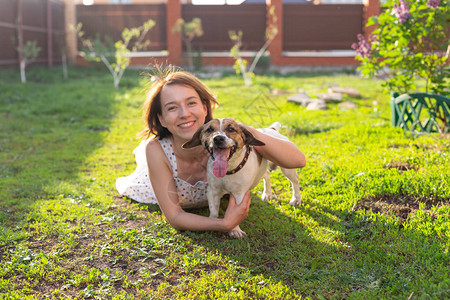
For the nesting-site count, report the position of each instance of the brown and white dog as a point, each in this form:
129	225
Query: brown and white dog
233	167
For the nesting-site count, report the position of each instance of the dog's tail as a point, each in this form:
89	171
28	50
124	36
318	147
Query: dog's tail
275	126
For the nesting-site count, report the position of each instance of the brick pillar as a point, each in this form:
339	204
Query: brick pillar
371	8
174	43
276	47
71	36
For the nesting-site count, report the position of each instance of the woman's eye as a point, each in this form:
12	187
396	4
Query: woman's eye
171	108
192	103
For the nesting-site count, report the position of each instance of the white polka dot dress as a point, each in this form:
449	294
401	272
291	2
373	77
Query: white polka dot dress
137	185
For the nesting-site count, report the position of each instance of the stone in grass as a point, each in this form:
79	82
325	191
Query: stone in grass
277	92
330	97
300	98
346	105
333	85
346	91
317	104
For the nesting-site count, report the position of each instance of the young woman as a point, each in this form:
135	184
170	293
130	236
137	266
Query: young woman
175	178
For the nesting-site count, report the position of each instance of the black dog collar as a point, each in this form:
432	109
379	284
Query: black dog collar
241	165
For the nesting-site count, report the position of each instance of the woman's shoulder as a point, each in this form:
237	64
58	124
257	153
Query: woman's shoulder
157	149
155	155
153	147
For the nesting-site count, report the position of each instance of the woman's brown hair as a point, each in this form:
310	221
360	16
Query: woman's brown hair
152	105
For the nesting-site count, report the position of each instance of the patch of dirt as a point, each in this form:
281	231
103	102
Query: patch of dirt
2	253
119	256
40	244
401	166
400	205
143	266
423	147
397	146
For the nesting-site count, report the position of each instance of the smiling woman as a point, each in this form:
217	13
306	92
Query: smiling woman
153	109
182	110
175	178
176	106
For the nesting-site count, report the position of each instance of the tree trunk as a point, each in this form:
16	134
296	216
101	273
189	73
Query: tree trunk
22	70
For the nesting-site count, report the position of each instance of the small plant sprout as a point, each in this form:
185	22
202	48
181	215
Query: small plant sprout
63	49
64	62
116	59
240	65
189	31
30	52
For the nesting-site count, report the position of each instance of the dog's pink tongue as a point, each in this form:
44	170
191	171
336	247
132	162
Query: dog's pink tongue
220	163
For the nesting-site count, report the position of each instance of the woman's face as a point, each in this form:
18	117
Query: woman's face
182	110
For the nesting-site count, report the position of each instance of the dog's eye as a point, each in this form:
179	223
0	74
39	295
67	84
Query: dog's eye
209	130
231	129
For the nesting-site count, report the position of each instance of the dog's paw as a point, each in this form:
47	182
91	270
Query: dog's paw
295	201
267	196
237	232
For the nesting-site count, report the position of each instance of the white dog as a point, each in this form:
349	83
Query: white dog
233	167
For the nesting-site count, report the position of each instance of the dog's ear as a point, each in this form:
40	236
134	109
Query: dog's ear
249	138
195	141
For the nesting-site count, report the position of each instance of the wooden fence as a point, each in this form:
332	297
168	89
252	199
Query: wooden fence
218	20
36	20
306	27
321	27
110	20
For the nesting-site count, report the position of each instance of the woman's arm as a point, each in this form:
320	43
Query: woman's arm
165	191
282	152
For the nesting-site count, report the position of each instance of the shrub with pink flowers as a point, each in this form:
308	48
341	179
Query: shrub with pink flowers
410	42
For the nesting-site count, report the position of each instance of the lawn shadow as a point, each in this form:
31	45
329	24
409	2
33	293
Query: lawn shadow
276	246
309	131
351	254
47	131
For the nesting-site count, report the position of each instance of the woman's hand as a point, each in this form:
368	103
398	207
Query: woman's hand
235	214
278	150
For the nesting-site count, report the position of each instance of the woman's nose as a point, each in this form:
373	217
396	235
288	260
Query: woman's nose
184	111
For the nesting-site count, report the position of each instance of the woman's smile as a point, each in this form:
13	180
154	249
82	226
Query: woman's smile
183	112
186	125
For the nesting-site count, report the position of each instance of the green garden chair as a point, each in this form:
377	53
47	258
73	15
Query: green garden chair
423	112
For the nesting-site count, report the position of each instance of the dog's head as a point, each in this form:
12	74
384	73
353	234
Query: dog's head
222	138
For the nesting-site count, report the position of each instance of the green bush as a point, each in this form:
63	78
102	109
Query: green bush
410	42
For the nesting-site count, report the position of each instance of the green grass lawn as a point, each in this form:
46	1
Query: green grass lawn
375	219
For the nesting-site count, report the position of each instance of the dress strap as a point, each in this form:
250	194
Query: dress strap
166	144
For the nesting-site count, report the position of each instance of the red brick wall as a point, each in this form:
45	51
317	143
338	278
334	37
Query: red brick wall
174	44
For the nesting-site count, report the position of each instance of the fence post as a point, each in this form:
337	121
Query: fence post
371	8
20	30
276	47
174	43
49	35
